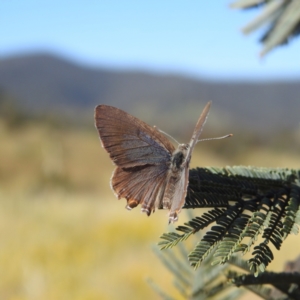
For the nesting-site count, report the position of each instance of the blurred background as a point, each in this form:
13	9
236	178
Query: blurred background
63	233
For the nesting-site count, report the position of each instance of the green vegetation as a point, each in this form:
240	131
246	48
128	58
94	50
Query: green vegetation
281	18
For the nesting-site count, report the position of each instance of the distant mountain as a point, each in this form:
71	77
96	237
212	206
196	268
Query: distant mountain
43	83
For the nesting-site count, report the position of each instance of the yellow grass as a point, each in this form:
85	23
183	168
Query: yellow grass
63	233
64	247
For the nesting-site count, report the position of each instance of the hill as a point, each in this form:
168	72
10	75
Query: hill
47	84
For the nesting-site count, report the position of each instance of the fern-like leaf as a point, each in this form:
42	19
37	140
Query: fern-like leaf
216	234
290	222
231	240
255	225
281	18
262	257
171	239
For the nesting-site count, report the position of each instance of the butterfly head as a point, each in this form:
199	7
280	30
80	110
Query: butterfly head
183	147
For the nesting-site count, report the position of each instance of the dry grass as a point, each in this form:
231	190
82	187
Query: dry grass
65	236
65	247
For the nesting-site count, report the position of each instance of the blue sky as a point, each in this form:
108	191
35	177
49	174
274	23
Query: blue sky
195	37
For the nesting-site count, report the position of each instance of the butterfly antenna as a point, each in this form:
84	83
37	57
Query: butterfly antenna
217	138
166	134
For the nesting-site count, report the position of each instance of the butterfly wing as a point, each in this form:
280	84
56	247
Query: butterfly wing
143	185
198	129
142	155
129	141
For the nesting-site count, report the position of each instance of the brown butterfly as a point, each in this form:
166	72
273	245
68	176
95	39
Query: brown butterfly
150	170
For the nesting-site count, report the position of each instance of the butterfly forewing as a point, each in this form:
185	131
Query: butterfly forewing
129	141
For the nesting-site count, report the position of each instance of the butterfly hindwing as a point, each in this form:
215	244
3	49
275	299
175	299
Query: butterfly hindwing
143	185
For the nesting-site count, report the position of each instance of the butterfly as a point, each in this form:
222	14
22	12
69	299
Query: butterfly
150	170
